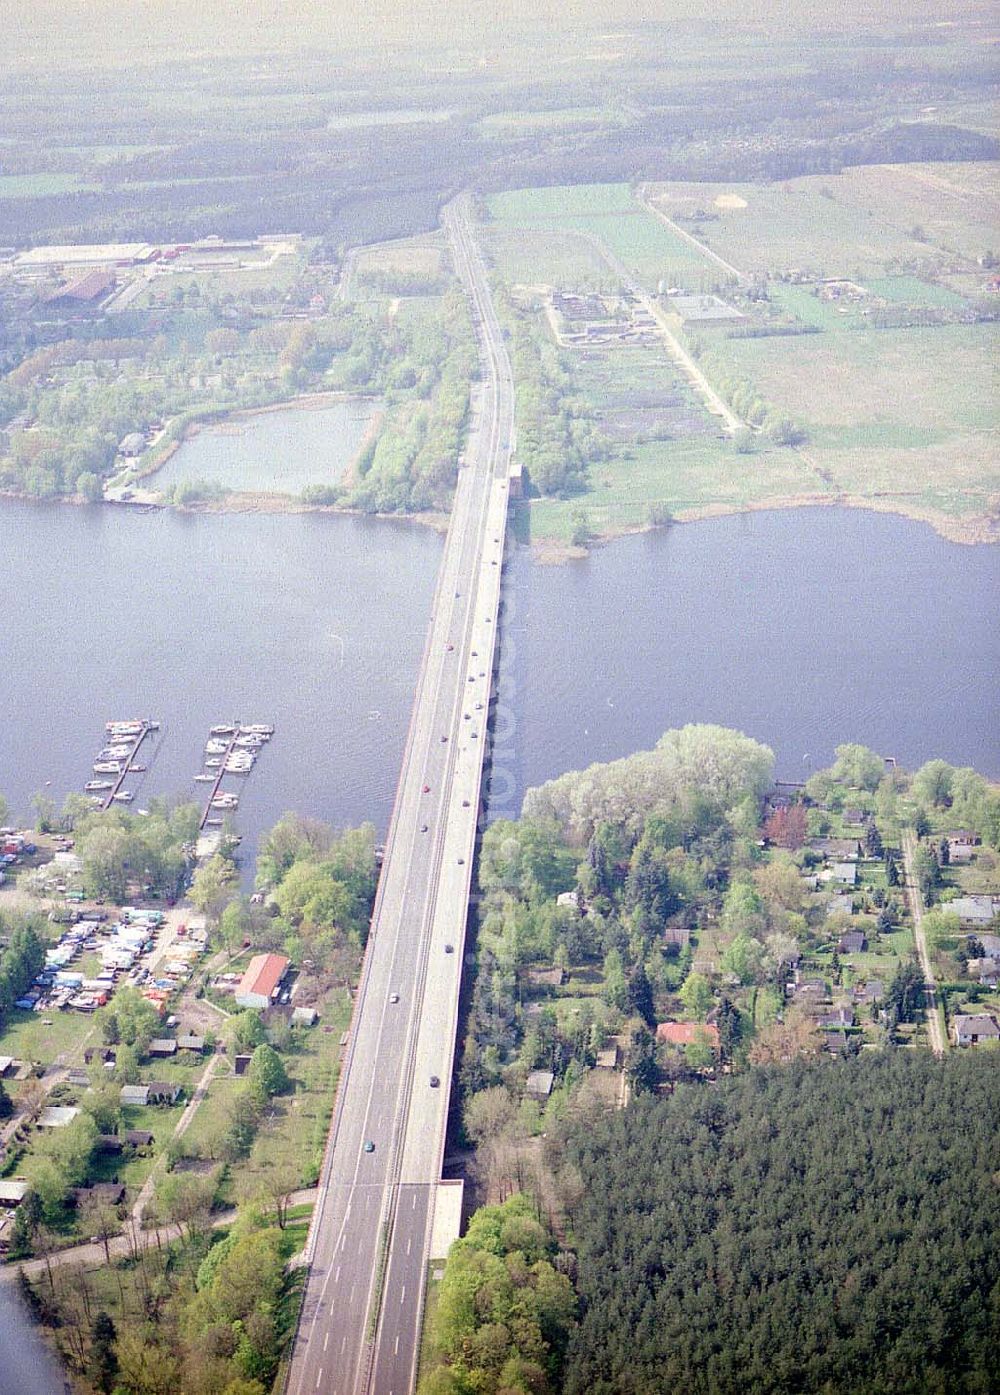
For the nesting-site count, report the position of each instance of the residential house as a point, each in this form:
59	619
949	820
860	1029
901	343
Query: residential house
162	1048
846	872
305	1016
139	1139
187	1041
57	1116
108	1193
975	1028
241	1062
608	1058
807	992
13	1190
545	978
839	1017
991	945
163	1092
134	1095
974	910
853	942
837	849
985	971
261	983
539	1084
871	992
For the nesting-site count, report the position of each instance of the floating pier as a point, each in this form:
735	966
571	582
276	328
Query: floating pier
235	746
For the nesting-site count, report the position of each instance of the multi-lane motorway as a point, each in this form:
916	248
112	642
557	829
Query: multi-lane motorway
369	1241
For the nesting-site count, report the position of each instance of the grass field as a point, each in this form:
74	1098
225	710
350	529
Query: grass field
957	206
296	1124
909	290
693	474
28	186
609	213
529	123
895	413
798	223
538	258
413	258
27	1038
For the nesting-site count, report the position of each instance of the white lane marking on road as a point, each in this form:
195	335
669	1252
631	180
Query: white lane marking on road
336	1277
395	1350
402	1295
319	1377
343	1343
408	1244
413	1203
326	1341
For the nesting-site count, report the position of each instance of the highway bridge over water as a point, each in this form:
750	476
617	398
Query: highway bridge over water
371	1235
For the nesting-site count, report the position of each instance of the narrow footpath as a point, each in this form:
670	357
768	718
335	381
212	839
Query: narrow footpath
932	1013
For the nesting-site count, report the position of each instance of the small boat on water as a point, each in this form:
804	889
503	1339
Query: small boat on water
123	797
115	753
214	763
205	779
216	748
214	823
222	730
139	769
93	785
107	767
258	729
225	801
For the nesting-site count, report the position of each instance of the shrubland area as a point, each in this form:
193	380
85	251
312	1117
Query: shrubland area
696	1041
840	201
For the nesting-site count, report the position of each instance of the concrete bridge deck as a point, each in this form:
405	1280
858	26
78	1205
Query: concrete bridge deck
371	1232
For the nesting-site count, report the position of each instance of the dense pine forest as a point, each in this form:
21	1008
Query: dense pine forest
826	1227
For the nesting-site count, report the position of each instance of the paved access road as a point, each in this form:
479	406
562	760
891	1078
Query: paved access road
368	1246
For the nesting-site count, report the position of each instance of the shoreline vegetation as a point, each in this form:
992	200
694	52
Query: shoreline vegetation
969	530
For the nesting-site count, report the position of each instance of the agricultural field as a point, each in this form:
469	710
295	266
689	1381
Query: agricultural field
955	207
530	123
689	478
27	186
899	414
799	224
610	214
423	258
539	258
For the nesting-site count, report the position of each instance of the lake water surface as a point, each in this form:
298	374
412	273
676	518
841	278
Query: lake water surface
279	452
311	622
803	628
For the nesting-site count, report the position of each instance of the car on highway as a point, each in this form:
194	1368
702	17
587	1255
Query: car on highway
465	804
394	997
427	789
369	1146
461	862
479	707
449	949
449	648
423	828
444	736
435	1082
